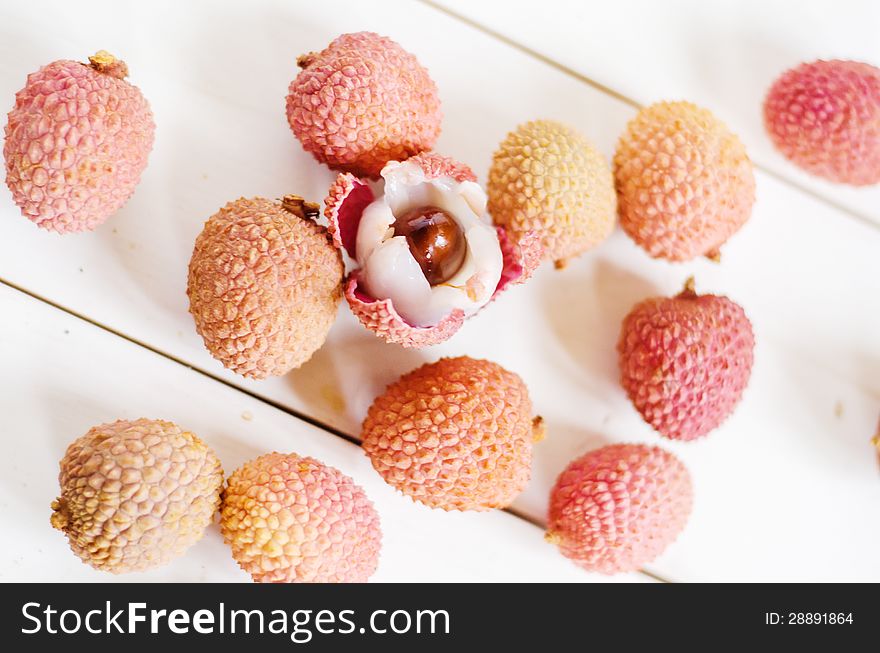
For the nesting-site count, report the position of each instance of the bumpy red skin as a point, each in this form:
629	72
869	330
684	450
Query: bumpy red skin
456	434
344	205
362	102
685	361
77	142
292	519
825	117
617	508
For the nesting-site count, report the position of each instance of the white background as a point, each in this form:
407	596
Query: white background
95	326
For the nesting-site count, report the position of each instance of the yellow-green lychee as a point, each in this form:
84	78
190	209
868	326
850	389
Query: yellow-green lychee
548	178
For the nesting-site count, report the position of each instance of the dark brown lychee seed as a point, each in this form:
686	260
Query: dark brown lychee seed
435	240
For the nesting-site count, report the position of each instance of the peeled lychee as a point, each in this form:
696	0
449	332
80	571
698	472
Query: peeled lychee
291	519
361	102
136	494
548	179
684	182
619	507
426	253
825	117
264	285
456	434
685	361
77	141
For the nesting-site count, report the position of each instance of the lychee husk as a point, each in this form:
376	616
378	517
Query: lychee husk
456	434
136	494
264	285
292	519
685	361
684	181
361	102
549	179
77	142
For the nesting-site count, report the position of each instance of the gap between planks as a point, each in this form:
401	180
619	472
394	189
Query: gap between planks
863	218
253	395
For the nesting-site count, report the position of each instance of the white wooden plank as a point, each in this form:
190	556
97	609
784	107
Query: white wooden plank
806	275
723	55
61	375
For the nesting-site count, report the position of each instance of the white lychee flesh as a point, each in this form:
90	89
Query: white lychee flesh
390	271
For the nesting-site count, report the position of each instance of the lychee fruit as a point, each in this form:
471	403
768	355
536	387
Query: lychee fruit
361	102
291	519
136	494
824	116
685	361
426	255
264	285
618	508
456	434
77	141
684	182
548	179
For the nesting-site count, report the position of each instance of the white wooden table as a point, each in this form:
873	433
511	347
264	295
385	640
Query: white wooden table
95	326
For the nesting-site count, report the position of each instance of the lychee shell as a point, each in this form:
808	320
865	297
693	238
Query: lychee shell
618	508
549	179
136	494
361	102
825	117
264	285
456	434
684	182
292	519
77	141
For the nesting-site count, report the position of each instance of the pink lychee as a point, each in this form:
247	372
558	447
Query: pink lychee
77	141
825	117
619	507
685	361
361	102
292	519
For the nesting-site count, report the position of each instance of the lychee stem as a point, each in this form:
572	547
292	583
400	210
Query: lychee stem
690	288
105	63
305	60
539	429
714	255
300	208
560	264
59	517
